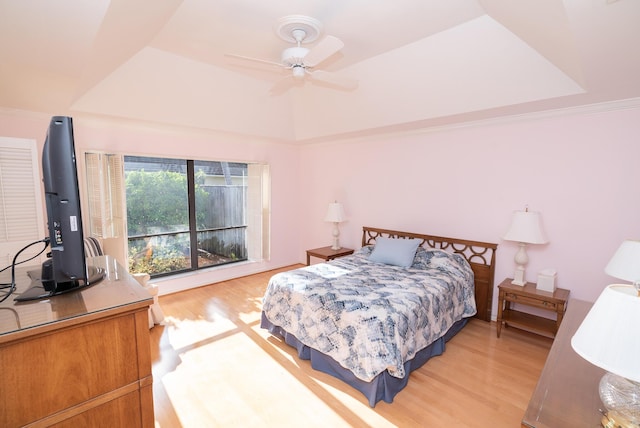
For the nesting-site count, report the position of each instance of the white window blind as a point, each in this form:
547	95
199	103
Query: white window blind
259	211
21	213
106	194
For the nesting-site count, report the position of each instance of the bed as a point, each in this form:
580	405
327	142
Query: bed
370	323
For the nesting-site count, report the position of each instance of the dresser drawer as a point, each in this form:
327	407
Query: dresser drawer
530	301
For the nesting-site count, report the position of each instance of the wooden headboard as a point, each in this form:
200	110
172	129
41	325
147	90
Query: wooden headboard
480	255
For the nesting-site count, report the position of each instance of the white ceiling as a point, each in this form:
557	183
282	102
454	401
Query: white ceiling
418	63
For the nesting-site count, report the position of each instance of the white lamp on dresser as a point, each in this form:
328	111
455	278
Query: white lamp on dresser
609	337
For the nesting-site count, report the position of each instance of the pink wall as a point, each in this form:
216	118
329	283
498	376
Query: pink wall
158	141
579	170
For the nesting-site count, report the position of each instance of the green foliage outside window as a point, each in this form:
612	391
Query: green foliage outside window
157	202
163	260
158	222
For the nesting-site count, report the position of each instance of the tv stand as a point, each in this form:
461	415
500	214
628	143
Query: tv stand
41	289
78	359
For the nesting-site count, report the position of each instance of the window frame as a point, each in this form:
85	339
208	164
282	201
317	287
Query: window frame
257	213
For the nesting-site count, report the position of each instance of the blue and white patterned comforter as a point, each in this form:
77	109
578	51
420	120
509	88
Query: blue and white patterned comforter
368	316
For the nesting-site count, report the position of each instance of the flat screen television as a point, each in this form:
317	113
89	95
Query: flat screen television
66	267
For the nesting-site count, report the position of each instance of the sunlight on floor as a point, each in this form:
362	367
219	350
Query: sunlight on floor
251	317
187	332
364	412
204	388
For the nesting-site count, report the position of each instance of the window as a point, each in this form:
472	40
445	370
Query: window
182	214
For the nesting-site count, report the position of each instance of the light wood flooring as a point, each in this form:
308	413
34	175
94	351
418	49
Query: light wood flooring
213	366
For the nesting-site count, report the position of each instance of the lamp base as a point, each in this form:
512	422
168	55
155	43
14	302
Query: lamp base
336	237
621	397
336	243
613	420
518	277
521	260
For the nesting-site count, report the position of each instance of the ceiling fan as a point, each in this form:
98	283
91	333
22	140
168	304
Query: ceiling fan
302	61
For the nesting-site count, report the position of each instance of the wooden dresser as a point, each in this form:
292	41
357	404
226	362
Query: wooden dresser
567	391
78	359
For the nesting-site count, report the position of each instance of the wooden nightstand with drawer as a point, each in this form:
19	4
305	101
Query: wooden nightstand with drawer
327	253
528	295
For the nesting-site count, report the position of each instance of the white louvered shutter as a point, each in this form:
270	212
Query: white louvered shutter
21	213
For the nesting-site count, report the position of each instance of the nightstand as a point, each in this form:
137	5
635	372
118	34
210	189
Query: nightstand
528	295
326	253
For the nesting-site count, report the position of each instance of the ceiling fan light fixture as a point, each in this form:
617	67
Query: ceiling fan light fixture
298	71
294	55
301	62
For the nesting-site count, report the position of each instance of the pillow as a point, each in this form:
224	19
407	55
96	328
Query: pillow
422	258
364	251
397	252
426	258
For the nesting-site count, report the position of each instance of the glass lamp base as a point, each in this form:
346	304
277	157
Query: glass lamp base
621	397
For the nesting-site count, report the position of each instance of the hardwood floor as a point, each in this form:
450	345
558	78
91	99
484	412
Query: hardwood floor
213	366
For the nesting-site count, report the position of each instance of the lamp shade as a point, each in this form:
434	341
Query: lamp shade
525	227
625	263
609	336
335	213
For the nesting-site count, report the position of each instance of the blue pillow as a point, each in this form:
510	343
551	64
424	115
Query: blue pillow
397	252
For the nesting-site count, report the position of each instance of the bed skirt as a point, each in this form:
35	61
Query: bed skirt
382	387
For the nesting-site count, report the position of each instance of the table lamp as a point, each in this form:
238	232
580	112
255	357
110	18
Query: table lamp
335	214
525	228
609	337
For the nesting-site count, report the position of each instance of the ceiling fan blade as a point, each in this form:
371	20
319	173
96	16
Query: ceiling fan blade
341	82
323	50
258	60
